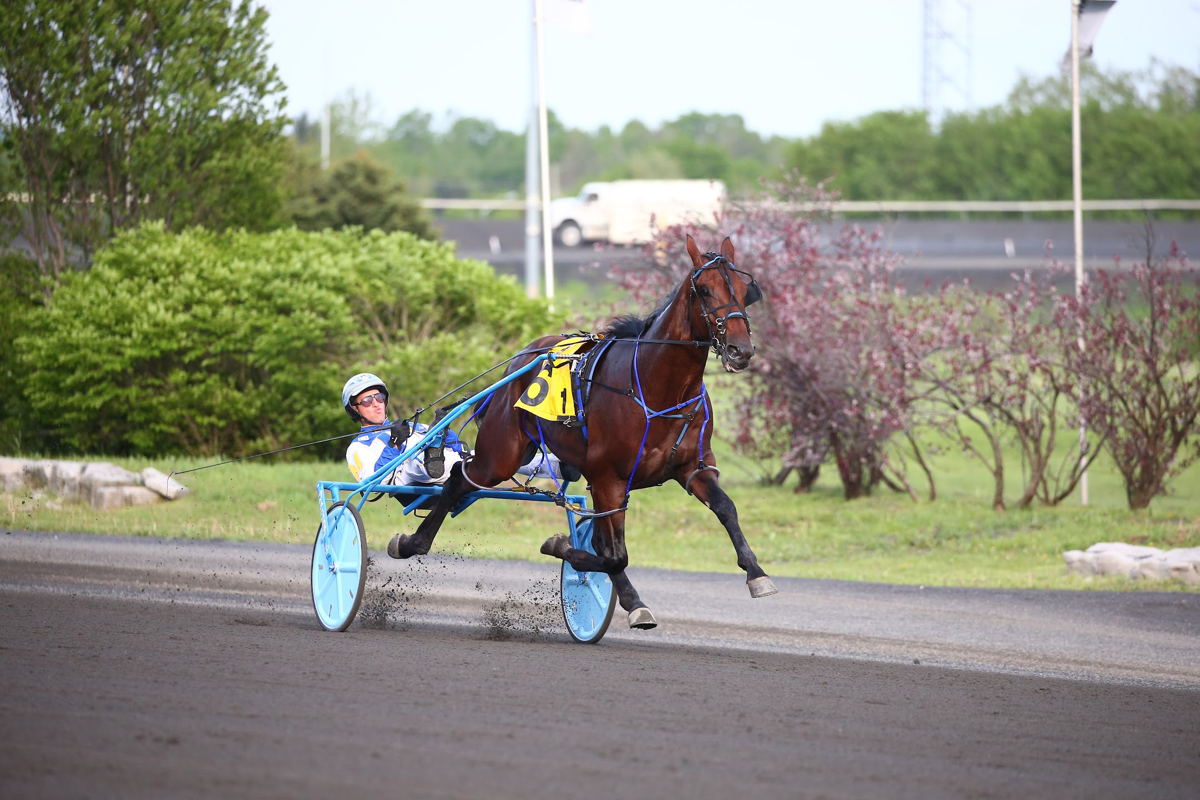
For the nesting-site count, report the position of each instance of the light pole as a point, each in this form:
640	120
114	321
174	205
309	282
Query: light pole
1077	212
537	171
532	228
539	23
1094	11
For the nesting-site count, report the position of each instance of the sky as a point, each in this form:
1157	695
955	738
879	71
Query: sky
786	66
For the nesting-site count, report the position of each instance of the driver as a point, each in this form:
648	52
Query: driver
365	399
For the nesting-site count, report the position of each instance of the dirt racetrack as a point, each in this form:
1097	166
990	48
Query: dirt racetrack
147	668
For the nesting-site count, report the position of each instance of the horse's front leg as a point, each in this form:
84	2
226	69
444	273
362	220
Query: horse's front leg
611	557
403	545
708	491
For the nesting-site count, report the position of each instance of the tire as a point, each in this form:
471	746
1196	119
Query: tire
588	599
339	567
569	234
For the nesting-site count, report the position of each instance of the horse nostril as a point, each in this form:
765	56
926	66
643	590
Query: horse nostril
737	354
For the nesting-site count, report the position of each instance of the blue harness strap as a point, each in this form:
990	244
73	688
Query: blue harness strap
698	400
583	385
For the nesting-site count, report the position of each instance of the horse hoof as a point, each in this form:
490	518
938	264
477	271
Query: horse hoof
401	547
642	619
556	546
761	587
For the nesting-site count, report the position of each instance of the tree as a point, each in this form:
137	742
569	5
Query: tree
828	369
886	155
1135	368
121	112
357	192
987	364
1140	131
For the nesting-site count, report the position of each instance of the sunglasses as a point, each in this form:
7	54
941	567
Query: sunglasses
372	399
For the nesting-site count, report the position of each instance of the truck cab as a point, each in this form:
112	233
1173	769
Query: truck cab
580	219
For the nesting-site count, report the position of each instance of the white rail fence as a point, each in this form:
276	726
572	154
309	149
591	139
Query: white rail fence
892	206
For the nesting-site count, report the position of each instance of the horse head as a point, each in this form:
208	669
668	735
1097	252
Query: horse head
722	292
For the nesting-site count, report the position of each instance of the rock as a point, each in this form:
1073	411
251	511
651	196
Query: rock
1079	562
1154	569
1184	564
100	475
64	478
1136	561
12	474
1127	550
1185	554
37	474
105	497
165	485
1114	562
102	484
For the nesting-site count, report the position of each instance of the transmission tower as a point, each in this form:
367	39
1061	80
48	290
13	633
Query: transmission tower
946	75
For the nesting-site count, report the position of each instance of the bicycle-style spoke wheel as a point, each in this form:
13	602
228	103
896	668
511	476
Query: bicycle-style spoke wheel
339	567
588	599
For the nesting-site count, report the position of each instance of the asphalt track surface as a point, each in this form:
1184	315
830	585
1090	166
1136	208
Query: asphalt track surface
140	667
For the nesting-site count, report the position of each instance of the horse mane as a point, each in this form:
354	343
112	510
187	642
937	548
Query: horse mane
626	326
630	326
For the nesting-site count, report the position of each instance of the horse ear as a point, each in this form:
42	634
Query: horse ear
727	250
694	251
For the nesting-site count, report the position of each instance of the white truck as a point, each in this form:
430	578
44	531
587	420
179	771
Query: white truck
631	212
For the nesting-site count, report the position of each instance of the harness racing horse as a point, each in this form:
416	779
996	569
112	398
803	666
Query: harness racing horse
647	419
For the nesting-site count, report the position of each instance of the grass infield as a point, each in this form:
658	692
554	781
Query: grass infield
957	540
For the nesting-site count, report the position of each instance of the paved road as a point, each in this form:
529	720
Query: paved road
987	251
151	668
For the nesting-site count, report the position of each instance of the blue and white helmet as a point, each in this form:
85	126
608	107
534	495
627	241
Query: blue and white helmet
356	386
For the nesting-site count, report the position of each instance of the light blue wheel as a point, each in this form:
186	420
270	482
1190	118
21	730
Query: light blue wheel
339	567
587	597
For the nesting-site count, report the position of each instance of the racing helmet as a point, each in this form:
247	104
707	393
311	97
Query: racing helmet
356	386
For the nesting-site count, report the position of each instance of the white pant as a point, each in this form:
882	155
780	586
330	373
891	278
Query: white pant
413	470
540	466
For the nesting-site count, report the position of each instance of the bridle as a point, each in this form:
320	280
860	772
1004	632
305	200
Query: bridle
713	318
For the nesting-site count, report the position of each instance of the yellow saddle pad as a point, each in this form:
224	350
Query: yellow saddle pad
549	394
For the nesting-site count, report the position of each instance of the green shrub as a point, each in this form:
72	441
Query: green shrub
20	298
233	343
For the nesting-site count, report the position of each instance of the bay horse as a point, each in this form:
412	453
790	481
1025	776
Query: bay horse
647	419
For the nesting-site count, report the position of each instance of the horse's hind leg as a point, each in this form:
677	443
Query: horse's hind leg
709	491
498	449
403	545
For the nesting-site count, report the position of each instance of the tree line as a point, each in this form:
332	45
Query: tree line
1141	139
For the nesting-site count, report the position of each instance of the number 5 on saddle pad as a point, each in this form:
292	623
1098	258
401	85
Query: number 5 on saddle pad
549	395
